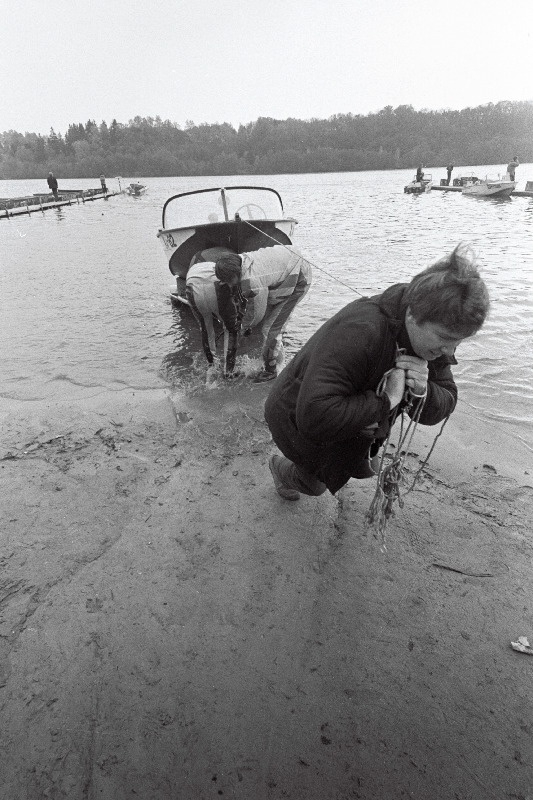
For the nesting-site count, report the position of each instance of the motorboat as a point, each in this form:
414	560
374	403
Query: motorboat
241	218
419	186
462	180
490	187
135	189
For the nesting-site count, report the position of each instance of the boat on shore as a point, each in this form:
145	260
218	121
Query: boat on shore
419	186
241	218
489	187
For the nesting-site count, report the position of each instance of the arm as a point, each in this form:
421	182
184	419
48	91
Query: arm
207	332
230	340
441	393
334	401
230	312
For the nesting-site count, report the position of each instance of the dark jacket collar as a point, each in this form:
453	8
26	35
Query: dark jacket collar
393	305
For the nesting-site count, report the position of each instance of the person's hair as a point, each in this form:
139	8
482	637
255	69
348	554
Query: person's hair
227	267
451	293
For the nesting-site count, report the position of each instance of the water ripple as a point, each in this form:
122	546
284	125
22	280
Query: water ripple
84	293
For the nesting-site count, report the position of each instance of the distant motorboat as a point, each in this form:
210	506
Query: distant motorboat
490	187
135	189
419	186
462	180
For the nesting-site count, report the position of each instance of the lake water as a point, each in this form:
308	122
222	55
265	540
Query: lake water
84	290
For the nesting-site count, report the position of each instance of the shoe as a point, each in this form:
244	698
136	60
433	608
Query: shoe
281	489
266	375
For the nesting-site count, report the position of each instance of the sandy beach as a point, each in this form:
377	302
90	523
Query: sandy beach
171	628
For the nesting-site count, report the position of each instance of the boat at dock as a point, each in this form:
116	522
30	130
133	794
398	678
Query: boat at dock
489	187
241	218
419	186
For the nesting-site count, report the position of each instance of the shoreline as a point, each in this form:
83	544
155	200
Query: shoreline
171	627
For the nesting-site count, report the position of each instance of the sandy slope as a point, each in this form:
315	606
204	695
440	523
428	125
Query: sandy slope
171	628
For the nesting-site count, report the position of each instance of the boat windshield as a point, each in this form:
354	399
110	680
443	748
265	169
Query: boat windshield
221	205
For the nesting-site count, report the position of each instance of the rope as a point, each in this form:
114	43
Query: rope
391	475
315	266
425	461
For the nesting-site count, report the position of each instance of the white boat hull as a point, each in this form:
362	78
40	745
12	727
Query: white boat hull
490	188
173	238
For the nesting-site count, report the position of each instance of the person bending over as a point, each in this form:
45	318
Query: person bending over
331	408
261	286
272	280
210	297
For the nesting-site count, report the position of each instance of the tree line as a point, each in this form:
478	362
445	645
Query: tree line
392	138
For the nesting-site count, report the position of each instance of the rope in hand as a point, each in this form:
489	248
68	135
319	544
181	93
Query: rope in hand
391	475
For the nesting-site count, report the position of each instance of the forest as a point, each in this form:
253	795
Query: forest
393	138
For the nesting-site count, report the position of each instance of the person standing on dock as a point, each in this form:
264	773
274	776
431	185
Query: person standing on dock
419	173
332	407
52	184
511	166
102	181
449	170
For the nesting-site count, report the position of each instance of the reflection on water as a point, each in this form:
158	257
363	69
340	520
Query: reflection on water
84	288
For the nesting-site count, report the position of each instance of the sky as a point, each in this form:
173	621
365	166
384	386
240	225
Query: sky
215	61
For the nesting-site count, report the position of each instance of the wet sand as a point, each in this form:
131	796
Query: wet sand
171	628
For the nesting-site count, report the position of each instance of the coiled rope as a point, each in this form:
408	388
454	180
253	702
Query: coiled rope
390	475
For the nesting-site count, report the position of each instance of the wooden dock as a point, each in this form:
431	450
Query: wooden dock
15	206
447	188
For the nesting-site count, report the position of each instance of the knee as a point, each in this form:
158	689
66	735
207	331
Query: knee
310	484
317	489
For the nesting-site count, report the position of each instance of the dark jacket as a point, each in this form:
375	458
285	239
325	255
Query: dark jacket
52	183
327	394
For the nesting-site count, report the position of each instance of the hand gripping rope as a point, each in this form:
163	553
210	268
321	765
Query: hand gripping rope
391	475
